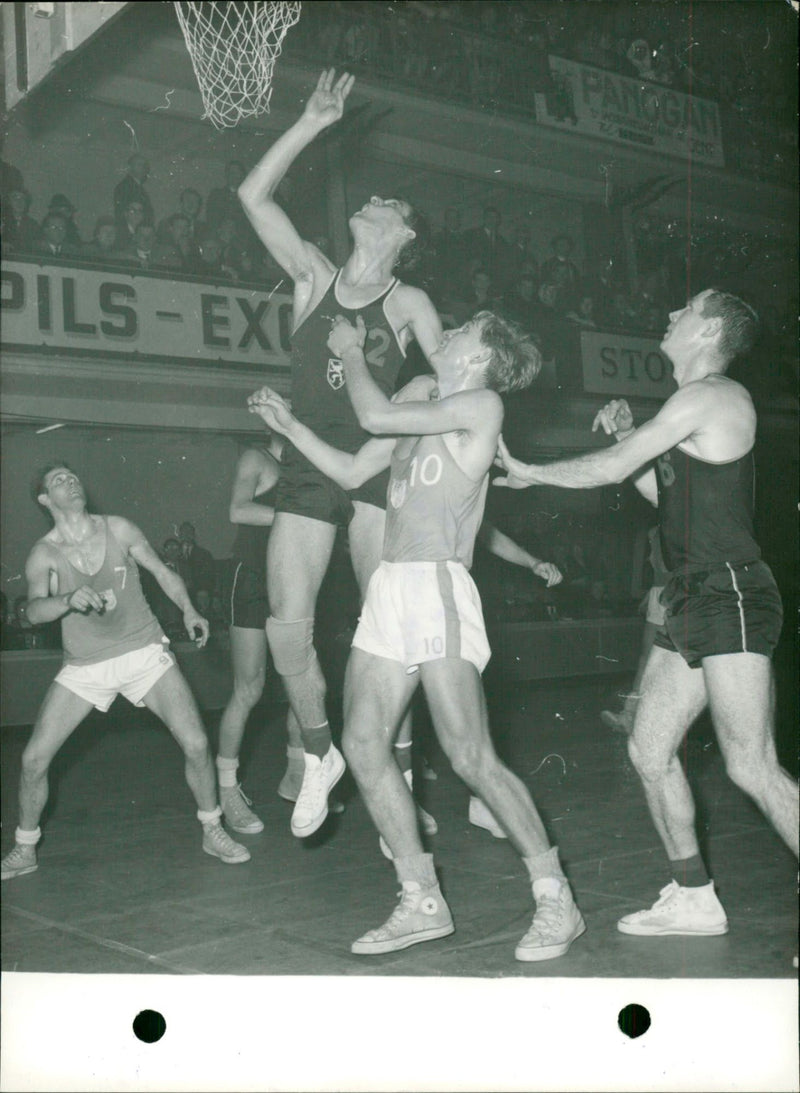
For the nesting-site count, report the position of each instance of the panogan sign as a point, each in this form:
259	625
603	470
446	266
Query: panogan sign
596	102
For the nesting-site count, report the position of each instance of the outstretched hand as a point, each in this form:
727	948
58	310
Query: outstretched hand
517	475
614	418
272	408
549	572
326	104
344	335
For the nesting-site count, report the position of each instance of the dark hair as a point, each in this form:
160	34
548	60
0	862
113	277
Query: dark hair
741	325
104	222
516	360
411	253
191	190
169	540
37	483
54	216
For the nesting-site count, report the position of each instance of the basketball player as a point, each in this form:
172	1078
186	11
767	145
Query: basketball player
84	571
308	506
723	609
422	619
244	601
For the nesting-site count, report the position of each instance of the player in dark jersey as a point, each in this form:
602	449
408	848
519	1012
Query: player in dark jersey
84	571
308	505
422	618
723	609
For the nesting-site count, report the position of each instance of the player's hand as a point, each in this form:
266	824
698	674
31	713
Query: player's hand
614	418
275	414
518	474
326	104
344	335
194	622
549	573
263	394
85	599
418	389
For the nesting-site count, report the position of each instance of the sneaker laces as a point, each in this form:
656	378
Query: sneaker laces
407	906
311	791
666	896
219	835
19	855
239	802
548	915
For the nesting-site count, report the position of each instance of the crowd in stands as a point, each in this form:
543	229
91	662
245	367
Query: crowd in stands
482	50
208	238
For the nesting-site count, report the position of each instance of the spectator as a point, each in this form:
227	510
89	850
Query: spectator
178	251
559	269
583	312
481	297
20	232
223	201
190	206
520	303
10	178
146	253
488	246
61	204
450	246
53	242
211	263
200	569
103	245
520	252
132	217
132	188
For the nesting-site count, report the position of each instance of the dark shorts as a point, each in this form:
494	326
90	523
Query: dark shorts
305	491
727	609
244	596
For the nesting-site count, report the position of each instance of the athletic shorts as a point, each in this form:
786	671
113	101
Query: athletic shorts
132	675
244	597
655	612
727	609
305	491
421	611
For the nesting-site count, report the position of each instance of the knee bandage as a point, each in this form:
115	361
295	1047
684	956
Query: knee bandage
291	645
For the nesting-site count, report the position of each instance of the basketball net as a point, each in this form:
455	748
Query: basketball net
234	47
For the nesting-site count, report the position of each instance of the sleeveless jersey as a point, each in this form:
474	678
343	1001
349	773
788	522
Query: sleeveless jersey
319	397
250	545
433	509
126	624
705	511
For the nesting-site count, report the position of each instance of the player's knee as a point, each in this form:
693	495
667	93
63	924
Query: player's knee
195	747
291	645
34	764
469	762
746	771
249	689
649	764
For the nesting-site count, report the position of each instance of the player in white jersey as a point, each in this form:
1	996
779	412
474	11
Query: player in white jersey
422	619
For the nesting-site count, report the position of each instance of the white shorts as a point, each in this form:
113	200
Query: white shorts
655	613
420	611
132	675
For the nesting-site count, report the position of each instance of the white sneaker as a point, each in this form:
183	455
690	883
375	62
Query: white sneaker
238	815
480	816
421	915
556	924
20	860
689	911
320	777
218	843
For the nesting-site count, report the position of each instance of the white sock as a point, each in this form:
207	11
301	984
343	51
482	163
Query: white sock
226	771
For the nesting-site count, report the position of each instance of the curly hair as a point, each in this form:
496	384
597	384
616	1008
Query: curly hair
411	253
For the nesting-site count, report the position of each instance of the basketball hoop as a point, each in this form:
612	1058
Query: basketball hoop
234	47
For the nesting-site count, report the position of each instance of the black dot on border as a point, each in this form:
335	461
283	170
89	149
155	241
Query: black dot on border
149	1026
634	1020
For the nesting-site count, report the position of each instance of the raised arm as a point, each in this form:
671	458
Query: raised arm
45	603
129	536
256	473
681	415
348	471
256	193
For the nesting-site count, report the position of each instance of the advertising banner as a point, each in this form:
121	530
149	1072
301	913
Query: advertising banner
622	364
596	102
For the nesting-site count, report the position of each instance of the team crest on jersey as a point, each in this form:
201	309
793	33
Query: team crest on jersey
397	493
335	373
